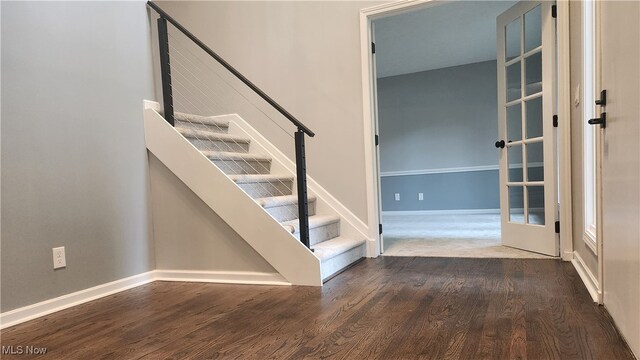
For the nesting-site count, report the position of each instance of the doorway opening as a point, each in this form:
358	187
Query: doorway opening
437	102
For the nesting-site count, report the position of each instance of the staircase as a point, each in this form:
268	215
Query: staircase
304	233
273	191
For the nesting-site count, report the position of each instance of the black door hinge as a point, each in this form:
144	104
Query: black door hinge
377	140
555	120
379	228
373	48
557	227
554	11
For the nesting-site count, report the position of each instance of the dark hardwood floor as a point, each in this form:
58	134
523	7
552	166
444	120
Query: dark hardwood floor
385	308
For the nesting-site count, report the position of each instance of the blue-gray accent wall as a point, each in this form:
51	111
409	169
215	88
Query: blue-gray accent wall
468	190
444	118
443	191
439	119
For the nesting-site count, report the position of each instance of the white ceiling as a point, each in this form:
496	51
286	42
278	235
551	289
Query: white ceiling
456	33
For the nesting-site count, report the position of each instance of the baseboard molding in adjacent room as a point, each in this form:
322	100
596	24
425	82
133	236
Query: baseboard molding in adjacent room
444	212
30	312
222	277
47	307
589	280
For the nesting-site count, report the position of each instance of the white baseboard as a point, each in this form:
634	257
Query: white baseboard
47	307
223	277
567	255
372	248
443	212
589	280
30	312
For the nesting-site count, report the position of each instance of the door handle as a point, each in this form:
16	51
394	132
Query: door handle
500	144
602	120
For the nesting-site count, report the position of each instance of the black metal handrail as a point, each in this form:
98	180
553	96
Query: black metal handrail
231	69
167	96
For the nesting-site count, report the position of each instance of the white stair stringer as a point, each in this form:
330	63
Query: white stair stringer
275	243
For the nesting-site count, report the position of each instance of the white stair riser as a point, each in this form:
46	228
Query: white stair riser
219	145
195	125
267	188
339	262
322	233
235	167
290	211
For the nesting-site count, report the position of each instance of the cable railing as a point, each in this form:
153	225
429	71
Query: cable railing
195	92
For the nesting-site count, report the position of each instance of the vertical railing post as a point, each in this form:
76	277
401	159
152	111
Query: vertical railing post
165	69
301	177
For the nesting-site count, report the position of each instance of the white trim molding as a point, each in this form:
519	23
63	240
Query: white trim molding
442	212
564	131
589	237
47	307
43	308
221	277
590	281
454	170
439	171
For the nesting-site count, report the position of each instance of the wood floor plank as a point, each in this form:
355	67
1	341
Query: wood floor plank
384	308
333	312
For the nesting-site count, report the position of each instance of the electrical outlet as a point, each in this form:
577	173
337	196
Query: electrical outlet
397	196
420	196
59	258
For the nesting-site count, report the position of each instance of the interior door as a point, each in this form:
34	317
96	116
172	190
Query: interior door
526	103
619	47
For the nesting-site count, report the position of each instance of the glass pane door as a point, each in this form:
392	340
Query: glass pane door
526	94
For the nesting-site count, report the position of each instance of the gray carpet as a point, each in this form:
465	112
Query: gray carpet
448	236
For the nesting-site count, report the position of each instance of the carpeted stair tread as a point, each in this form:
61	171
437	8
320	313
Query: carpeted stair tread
199	119
314	221
256	178
336	246
274	201
222	155
191	133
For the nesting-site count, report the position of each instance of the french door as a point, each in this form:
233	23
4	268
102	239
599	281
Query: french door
526	106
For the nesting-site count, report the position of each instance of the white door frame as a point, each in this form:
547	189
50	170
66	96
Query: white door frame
367	15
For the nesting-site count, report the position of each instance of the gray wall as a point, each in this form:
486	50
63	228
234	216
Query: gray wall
189	235
306	55
438	119
73	156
